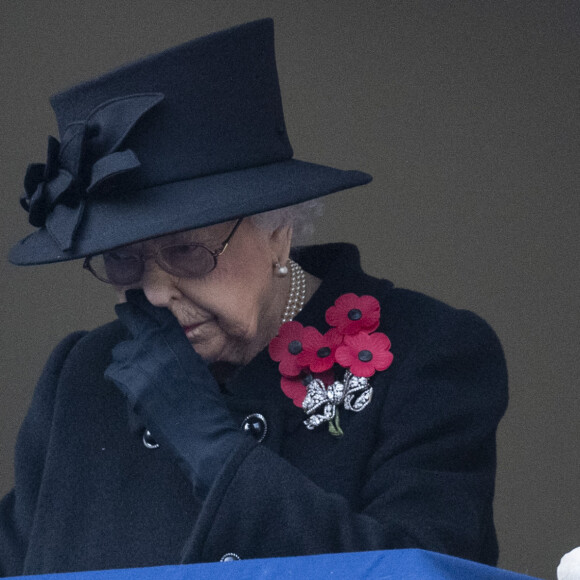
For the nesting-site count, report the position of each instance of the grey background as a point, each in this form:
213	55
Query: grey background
465	112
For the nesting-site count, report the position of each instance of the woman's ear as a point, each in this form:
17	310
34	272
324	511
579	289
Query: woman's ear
281	242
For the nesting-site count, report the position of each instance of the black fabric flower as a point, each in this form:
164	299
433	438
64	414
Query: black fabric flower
81	165
43	185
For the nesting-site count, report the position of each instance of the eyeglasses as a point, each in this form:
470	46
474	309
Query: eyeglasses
123	267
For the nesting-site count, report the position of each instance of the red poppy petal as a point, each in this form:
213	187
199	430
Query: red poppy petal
383	360
294	389
351	299
291	330
357	342
305	359
277	348
380	337
326	377
290	366
369	325
288	332
370	310
319	365
333	338
344	355
332	316
346	301
311	339
362	369
380	341
337	315
370	305
363	324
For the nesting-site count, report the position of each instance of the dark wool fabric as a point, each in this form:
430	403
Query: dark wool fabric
415	468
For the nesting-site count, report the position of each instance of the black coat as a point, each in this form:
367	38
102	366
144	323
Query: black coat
415	468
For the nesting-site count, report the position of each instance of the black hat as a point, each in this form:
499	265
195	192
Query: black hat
184	139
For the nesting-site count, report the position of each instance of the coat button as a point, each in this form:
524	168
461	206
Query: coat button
148	440
229	557
256	425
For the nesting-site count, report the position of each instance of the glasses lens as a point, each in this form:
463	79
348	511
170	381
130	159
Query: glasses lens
187	260
118	268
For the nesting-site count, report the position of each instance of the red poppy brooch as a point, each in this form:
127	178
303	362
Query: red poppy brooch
312	363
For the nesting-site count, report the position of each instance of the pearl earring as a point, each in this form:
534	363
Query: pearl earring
280	270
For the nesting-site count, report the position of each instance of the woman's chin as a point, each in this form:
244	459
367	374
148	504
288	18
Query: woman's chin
211	349
221	353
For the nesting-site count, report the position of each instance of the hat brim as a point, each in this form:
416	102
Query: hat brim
189	204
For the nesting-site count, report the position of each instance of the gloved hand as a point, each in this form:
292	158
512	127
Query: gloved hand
171	388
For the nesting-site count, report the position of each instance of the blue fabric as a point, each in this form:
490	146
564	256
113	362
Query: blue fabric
380	565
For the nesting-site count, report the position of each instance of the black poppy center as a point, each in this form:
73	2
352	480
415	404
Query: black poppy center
295	347
323	352
365	356
354	314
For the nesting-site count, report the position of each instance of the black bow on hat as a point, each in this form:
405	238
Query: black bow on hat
85	163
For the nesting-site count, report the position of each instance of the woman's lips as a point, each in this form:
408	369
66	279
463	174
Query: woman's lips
190	329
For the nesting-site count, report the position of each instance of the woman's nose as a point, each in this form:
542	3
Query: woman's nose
160	287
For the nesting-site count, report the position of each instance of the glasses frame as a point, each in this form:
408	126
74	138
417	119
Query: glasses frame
156	255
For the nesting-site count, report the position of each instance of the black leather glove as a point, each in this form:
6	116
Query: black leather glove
171	388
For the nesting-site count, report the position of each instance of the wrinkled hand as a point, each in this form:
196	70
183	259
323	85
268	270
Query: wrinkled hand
170	386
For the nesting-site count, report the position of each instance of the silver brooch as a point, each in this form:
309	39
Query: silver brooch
322	402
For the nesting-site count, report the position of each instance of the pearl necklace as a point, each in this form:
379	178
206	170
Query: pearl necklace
297	292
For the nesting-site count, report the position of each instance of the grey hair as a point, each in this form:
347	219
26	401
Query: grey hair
300	216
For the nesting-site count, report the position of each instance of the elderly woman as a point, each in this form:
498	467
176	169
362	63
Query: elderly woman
253	399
